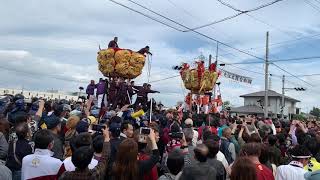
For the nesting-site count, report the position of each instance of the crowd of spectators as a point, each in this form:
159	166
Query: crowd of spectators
56	139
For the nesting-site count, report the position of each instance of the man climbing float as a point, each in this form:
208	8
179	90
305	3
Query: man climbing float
145	50
113	43
142	94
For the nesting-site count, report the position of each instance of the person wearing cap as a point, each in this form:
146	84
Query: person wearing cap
294	170
53	124
189	124
83	126
70	133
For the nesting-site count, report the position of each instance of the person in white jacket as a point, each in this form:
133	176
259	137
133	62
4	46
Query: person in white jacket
294	170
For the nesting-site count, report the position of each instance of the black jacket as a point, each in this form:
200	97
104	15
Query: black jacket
218	166
199	171
23	148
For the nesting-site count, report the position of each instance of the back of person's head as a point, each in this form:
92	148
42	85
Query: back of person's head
299	152
97	143
20	117
188	133
206	133
250	149
82	157
175	161
201	152
82	126
126	166
115	126
281	138
255	138
42	139
213	148
312	145
82	139
272	139
175	127
48	106
302	137
22	130
243	169
265	154
53	122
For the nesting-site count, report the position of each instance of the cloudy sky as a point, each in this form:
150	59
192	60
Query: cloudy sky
52	44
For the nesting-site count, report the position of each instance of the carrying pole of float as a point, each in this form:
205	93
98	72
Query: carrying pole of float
210	57
214	86
150	109
149	68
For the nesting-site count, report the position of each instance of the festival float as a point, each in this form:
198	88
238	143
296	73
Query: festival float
201	81
116	62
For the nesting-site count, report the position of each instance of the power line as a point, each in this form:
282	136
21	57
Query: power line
196	18
143	14
259	20
312	5
291	74
280	43
204	35
170	77
230	6
235	15
306	75
197	32
184	10
277	60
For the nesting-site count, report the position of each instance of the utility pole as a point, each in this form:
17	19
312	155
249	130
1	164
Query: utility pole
266	77
282	100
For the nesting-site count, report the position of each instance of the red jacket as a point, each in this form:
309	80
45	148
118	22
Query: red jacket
153	174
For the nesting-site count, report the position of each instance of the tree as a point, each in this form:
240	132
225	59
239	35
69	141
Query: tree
316	112
300	117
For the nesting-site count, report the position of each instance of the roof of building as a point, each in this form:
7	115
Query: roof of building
271	93
250	109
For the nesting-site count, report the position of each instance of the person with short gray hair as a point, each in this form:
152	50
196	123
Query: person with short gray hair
189	157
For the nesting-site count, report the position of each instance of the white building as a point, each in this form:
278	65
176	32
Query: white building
43	94
254	102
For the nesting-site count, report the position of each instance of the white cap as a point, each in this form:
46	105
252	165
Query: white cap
188	122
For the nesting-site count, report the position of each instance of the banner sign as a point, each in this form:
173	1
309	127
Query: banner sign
236	77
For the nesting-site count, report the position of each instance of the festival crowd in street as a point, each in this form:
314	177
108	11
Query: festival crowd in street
108	136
